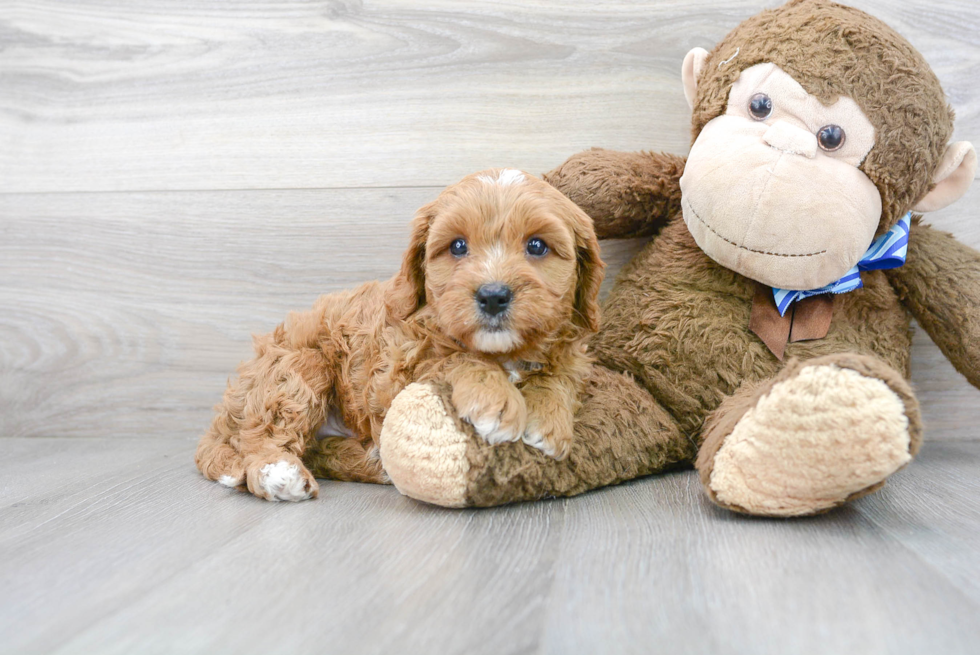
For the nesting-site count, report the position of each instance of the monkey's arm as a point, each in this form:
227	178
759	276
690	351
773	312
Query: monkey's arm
627	194
940	284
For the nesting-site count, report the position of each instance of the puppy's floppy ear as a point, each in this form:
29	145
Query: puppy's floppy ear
591	270
406	294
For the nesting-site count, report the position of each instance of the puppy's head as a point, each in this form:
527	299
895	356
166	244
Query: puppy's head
503	260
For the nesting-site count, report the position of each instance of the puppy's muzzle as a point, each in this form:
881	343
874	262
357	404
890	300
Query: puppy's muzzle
494	299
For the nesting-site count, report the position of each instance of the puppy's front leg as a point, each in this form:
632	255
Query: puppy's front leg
552	401
486	398
552	398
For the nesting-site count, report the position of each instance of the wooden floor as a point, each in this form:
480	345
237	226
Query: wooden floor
176	175
119	546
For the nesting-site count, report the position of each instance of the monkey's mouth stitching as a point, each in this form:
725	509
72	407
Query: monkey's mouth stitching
758	252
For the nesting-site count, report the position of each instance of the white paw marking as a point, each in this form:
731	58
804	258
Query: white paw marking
535	439
501	435
505	177
514	373
485	426
283	481
492	433
230	481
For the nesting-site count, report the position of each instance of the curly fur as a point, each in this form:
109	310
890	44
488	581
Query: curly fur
355	350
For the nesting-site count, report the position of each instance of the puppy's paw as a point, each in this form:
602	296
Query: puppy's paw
220	462
282	480
497	414
551	433
231	481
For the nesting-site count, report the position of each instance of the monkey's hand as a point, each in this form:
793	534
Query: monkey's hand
627	194
940	284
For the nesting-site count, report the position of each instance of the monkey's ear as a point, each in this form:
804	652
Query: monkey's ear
952	179
690	69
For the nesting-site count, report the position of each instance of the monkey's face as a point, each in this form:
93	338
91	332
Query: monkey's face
772	188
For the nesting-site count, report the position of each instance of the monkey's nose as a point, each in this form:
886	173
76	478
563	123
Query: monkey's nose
791	139
493	298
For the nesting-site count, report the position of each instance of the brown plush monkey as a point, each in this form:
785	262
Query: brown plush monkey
817	129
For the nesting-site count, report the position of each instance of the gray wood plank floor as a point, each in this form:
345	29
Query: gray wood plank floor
176	175
119	546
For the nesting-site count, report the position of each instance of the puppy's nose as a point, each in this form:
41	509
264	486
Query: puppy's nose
493	298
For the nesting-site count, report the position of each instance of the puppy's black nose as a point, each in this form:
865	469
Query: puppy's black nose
493	298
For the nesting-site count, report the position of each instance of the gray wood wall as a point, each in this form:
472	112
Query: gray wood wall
176	175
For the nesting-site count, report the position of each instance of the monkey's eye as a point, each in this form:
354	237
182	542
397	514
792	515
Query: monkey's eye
760	106
831	137
536	247
458	248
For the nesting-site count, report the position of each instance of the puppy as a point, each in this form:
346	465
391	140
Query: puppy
496	296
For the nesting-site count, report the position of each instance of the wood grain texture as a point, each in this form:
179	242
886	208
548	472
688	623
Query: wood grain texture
178	94
176	175
119	546
122	314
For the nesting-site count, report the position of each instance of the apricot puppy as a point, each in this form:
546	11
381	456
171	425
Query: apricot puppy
496	296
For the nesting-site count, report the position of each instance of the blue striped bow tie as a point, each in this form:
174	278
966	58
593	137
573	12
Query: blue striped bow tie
887	251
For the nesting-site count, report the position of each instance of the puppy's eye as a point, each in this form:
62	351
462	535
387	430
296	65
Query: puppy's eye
536	247
760	106
458	248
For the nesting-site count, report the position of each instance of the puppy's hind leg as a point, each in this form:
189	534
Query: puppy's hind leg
270	413
218	461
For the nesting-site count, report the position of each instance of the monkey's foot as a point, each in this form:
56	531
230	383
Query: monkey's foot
819	434
423	448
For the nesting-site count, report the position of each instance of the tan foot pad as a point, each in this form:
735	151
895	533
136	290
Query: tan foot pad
811	442
422	449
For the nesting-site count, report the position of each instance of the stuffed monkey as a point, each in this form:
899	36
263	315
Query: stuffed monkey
763	334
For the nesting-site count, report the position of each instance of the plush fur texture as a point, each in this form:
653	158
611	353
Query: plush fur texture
432	445
834	51
620	433
940	285
678	370
841	424
647	179
743	200
513	374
